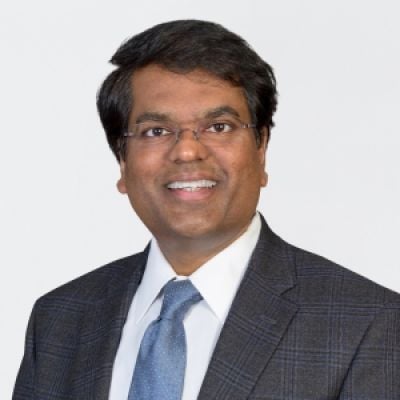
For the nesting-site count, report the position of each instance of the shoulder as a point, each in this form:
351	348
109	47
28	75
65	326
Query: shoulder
327	280
99	284
317	281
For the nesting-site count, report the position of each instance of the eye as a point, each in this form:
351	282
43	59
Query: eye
154	131
220	127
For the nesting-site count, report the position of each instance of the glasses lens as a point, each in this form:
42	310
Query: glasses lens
217	131
153	132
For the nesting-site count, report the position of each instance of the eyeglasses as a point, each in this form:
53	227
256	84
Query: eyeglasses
208	132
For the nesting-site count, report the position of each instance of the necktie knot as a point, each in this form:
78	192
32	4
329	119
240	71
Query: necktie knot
179	296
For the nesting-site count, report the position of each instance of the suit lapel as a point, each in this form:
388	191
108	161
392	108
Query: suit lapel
102	329
256	323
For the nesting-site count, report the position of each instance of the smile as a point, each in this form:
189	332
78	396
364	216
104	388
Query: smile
191	186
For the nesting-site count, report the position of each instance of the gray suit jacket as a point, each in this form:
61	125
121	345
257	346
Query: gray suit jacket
300	327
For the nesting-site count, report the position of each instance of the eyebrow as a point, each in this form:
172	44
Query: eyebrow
220	111
208	114
153	116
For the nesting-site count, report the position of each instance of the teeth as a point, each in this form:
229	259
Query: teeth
191	186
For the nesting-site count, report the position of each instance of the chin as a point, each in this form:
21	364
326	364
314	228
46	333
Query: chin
190	229
194	231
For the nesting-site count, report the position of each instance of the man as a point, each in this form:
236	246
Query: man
217	306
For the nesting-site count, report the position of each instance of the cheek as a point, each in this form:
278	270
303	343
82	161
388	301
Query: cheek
141	167
142	179
246	177
248	166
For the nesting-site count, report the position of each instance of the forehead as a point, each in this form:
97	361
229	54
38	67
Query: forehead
183	96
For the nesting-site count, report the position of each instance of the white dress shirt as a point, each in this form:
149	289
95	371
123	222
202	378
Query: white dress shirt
217	281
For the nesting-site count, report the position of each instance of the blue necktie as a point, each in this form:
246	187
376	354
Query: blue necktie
161	362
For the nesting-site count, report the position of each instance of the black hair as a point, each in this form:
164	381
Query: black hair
183	46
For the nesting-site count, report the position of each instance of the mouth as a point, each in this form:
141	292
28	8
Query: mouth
194	191
192	186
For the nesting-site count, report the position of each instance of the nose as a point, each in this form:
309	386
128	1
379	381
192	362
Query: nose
187	147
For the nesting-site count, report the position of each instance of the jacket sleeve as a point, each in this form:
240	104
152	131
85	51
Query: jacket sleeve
375	371
25	383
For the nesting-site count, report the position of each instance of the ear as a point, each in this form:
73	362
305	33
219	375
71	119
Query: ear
262	152
121	183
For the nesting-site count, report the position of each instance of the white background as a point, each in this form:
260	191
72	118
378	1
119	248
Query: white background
333	160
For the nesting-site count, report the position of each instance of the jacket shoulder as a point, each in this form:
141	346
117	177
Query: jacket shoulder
96	285
317	274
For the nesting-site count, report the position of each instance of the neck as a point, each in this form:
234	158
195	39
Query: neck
186	255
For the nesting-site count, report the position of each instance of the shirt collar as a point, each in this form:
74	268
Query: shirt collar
157	273
217	280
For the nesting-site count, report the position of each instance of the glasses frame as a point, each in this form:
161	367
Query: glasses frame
177	130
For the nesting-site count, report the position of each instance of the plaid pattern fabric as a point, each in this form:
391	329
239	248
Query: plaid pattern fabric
300	328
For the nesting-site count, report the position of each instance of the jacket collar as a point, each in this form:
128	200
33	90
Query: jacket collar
256	323
102	328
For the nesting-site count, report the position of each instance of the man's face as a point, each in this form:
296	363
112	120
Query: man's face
152	176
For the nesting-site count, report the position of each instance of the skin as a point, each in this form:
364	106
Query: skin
191	227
